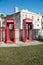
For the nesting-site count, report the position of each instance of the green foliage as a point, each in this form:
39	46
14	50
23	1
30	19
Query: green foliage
30	55
2	15
40	39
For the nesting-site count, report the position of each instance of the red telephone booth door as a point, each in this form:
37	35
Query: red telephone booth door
27	30
10	30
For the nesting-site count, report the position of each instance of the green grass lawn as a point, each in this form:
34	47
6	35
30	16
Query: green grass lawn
28	55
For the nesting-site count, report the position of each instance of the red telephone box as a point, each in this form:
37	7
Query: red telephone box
27	29
0	32
10	30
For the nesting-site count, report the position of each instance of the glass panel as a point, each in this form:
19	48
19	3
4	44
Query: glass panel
30	26
28	31
11	29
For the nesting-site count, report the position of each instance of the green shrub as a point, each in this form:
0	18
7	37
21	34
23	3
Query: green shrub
41	39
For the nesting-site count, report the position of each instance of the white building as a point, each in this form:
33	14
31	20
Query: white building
21	15
42	27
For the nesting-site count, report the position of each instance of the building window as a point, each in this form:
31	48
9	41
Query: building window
32	17
42	23
25	16
42	27
37	24
38	19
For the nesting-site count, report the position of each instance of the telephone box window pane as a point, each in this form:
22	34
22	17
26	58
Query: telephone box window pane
30	26
11	28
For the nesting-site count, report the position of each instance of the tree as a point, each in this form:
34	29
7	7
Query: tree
2	15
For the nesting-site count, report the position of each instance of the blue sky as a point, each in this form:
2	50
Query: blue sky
7	6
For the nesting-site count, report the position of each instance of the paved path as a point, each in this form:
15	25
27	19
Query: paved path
19	43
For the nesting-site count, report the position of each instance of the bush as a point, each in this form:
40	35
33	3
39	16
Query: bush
40	39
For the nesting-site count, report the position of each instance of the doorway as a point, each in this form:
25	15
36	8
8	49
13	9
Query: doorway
10	31
29	31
